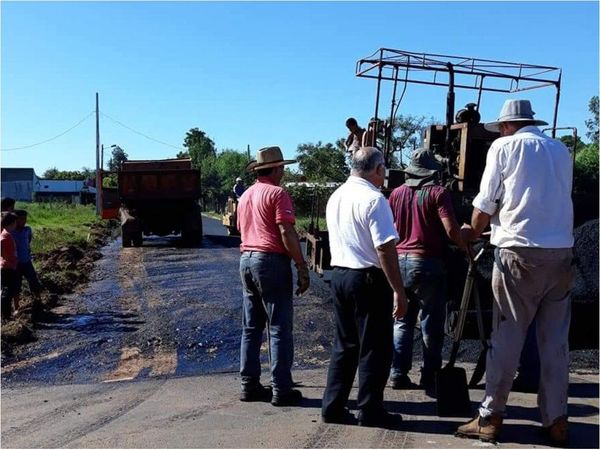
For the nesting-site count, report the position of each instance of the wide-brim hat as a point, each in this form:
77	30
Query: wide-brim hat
268	157
423	165
514	111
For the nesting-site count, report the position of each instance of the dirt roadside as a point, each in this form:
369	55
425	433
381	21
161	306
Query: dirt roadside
61	271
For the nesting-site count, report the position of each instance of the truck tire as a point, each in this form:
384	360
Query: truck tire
191	231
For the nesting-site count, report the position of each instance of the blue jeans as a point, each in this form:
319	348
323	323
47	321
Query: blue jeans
267	289
425	284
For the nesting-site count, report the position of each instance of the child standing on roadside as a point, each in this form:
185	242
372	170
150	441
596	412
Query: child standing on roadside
8	264
22	236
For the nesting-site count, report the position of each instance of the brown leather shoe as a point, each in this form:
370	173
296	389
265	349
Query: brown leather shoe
558	432
483	428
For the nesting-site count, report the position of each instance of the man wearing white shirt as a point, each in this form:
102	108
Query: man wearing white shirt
525	195
367	291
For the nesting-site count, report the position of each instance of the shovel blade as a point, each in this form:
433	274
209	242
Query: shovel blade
452	393
479	369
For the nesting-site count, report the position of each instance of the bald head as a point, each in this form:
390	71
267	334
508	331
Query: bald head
368	163
365	160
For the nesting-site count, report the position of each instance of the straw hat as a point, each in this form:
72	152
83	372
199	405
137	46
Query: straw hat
268	157
514	111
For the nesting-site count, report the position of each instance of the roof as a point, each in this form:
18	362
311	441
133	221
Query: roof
64	186
17	174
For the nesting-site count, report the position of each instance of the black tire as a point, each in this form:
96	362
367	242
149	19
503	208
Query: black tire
191	232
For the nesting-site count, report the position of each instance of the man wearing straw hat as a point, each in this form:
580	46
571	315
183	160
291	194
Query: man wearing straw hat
525	194
269	240
422	212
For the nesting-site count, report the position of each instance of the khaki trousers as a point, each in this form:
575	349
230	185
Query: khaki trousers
530	283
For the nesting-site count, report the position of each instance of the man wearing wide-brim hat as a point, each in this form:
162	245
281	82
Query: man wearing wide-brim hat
269	241
525	194
422	211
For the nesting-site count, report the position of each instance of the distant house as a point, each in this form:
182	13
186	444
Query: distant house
69	191
18	183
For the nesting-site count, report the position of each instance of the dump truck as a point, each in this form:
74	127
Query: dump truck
156	197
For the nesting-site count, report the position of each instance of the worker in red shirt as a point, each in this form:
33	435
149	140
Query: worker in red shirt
8	263
269	242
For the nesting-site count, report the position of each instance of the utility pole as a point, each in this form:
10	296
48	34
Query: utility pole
249	158
98	177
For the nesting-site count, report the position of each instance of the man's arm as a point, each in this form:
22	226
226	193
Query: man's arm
388	259
452	229
479	221
291	242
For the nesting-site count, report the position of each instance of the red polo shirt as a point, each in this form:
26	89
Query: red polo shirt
262	207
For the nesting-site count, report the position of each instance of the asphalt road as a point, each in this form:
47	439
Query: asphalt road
146	355
158	310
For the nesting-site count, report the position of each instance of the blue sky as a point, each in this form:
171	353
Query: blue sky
257	74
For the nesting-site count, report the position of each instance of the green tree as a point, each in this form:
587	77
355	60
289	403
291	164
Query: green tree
568	141
406	136
229	165
182	155
118	157
55	174
200	148
320	162
592	124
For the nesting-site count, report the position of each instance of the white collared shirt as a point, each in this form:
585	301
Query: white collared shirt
359	219
526	189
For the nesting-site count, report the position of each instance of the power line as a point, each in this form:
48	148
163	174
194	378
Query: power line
140	133
51	139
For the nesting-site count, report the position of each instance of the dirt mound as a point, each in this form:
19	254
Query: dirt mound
586	262
17	332
60	272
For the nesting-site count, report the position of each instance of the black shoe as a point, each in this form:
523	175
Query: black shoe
343	418
259	394
291	398
381	419
402	382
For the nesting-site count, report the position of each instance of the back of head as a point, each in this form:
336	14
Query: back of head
20	213
351	122
365	160
8	218
8	203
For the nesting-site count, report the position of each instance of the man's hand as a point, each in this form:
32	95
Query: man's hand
400	305
467	234
303	278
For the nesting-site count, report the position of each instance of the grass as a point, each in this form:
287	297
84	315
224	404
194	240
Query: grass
302	222
56	225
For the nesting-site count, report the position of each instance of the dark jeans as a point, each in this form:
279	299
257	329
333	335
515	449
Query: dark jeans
9	283
425	285
26	269
363	303
267	284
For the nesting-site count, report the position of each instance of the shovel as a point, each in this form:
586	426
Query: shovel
451	382
481	361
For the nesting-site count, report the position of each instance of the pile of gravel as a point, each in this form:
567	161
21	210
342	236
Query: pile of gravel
586	262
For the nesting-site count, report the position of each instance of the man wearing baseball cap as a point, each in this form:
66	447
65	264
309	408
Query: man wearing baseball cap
525	195
269	241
